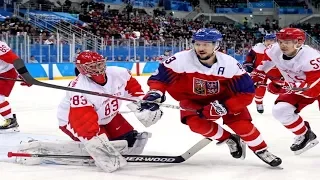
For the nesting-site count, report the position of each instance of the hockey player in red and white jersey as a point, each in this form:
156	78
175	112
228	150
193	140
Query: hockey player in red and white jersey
253	59
299	65
214	85
165	56
8	121
93	119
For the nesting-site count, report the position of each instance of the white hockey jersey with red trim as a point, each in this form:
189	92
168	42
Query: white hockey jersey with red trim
303	70
7	56
120	83
259	48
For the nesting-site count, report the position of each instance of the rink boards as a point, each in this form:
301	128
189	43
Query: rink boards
54	71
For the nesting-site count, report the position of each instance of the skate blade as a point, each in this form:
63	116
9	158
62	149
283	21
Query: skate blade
310	145
11	130
276	167
244	150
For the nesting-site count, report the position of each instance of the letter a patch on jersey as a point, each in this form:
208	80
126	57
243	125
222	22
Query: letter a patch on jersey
204	87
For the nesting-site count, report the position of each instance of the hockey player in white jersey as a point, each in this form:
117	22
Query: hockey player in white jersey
299	64
253	59
8	120
95	121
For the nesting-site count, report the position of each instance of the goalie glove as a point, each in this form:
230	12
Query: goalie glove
147	110
147	117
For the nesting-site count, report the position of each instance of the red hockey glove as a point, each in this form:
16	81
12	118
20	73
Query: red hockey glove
279	87
84	122
258	77
23	83
214	110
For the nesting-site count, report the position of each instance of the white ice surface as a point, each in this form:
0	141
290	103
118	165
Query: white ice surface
36	112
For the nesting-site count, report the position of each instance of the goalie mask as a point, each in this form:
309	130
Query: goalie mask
93	65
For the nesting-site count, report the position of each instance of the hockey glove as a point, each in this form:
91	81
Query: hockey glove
214	110
282	87
258	77
23	83
248	67
148	113
154	97
279	87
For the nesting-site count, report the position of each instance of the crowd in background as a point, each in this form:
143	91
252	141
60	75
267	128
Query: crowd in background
161	27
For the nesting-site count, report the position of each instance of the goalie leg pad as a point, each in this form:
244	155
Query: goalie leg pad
61	147
136	141
104	154
30	147
139	144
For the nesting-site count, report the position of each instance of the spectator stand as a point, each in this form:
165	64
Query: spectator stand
134	37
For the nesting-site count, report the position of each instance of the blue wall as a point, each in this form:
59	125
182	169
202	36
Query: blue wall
48	53
66	70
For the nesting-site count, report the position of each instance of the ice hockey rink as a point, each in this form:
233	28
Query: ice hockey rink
36	112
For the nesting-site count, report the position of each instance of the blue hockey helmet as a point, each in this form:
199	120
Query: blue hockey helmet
270	37
207	34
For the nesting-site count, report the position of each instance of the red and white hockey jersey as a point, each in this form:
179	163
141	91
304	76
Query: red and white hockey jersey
119	83
303	70
7	56
184	77
256	54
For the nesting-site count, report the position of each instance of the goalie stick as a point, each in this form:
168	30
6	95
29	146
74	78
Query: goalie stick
131	158
22	70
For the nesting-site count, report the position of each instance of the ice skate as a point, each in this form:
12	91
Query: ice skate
304	142
260	108
236	146
9	125
268	158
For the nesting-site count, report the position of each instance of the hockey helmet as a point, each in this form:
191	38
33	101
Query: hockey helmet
292	34
207	34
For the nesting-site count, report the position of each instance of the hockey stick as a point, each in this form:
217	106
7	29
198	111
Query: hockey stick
286	87
11	79
22	70
131	158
